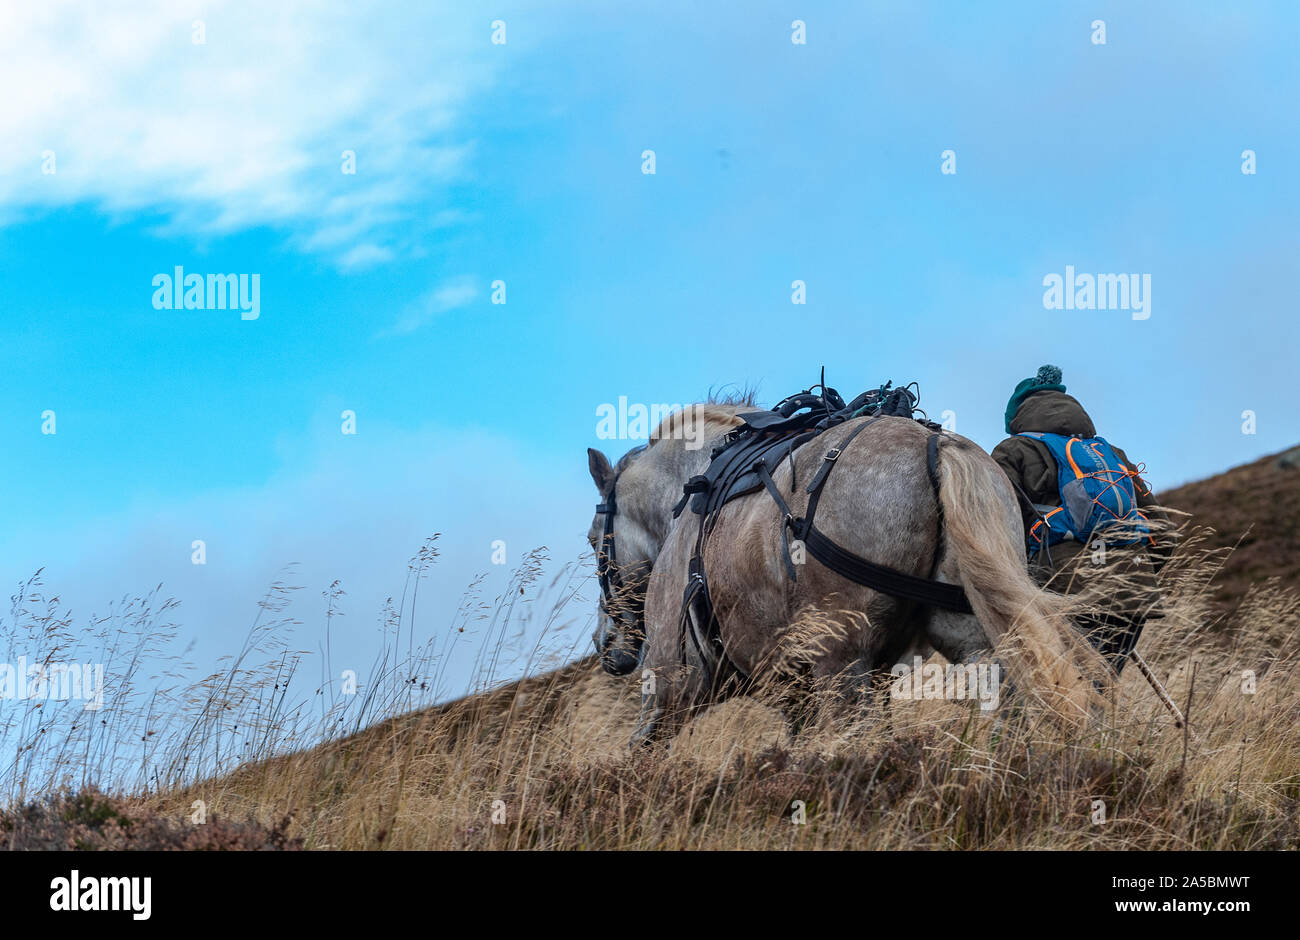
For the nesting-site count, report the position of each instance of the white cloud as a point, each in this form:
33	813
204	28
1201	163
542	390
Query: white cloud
364	256
447	296
247	129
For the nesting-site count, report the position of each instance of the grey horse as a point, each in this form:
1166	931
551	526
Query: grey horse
879	504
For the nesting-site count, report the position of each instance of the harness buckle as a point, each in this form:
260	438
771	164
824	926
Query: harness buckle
696	484
832	454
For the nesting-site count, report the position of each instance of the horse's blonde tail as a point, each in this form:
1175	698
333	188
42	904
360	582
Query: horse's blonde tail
1024	623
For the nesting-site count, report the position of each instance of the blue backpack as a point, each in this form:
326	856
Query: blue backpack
1096	493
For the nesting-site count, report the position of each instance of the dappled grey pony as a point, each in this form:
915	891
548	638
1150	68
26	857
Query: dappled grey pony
961	528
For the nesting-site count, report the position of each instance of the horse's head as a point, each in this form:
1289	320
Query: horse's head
625	552
631	523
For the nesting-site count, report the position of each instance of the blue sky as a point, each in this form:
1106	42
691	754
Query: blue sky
521	162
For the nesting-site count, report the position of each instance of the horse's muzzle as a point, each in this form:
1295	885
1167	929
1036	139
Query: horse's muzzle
615	656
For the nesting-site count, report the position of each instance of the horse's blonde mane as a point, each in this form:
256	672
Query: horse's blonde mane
709	417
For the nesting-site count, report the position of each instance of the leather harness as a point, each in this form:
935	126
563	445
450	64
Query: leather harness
745	460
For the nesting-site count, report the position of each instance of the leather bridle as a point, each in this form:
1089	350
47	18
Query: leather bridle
618	600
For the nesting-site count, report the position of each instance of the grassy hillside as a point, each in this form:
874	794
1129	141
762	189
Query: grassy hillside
1255	511
550	755
543	763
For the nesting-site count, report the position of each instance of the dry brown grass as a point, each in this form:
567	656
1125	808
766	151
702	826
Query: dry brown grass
552	749
927	774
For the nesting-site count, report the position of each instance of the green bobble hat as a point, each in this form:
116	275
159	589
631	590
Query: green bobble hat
1048	379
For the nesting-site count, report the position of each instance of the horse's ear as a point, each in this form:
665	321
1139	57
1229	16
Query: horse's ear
601	471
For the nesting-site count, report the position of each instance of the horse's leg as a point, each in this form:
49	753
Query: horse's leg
668	697
962	641
958	637
844	677
671	690
919	647
794	699
652	725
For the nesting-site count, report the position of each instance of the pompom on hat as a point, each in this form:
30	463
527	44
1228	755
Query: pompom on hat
1048	379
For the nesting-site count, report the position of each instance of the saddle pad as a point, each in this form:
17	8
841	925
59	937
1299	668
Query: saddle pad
733	472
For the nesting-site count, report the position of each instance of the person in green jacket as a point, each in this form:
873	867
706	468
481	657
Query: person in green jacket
1119	583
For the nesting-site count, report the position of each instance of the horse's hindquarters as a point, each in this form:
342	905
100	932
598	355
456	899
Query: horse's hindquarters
879	505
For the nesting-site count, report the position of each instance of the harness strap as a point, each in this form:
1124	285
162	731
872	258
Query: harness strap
695	587
867	573
787	519
716	665
696	484
695	599
883	579
819	478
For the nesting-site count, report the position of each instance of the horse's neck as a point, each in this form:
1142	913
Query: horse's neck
676	465
681	452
